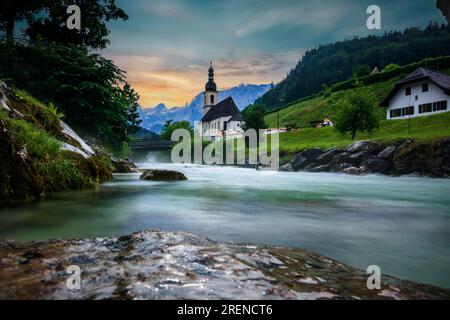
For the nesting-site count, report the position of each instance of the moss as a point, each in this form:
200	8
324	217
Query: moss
32	162
42	116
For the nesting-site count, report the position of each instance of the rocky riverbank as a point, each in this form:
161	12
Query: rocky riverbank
364	157
175	265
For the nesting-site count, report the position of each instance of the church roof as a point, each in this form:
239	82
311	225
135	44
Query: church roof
224	108
439	79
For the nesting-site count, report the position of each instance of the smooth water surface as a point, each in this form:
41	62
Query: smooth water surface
401	224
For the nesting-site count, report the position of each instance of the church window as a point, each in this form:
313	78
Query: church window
212	99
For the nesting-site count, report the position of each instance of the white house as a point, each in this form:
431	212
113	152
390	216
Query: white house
422	92
219	119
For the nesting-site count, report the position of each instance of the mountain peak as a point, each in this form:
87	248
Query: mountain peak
243	95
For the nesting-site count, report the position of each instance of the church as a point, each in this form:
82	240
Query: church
220	119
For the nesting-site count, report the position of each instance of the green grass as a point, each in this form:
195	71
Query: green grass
323	106
420	128
40	133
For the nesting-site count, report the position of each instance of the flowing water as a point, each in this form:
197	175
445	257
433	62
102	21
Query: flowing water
401	224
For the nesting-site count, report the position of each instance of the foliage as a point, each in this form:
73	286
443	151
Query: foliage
356	112
390	67
362	70
47	20
89	89
13	10
171	126
58	170
335	62
254	118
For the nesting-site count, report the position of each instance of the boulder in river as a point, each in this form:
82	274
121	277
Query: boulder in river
176	265
165	175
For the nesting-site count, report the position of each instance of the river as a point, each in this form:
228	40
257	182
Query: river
401	224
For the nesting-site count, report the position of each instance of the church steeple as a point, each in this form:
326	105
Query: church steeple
210	95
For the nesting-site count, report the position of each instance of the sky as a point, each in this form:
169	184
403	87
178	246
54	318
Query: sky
166	45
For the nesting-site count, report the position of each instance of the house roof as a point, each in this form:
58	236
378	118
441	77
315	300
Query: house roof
439	79
224	108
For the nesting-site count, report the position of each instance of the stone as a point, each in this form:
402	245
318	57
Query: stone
123	166
328	156
162	175
352	171
375	166
319	168
387	152
152	265
303	159
357	158
367	146
339	167
286	168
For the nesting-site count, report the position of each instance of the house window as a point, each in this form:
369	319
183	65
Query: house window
408	91
407	111
425	87
424	108
396	113
440	105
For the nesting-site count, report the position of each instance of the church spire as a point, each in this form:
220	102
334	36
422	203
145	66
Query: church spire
211	85
211	95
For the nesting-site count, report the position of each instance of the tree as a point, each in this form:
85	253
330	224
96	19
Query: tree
89	89
170	127
356	112
13	10
362	70
390	67
254	118
94	15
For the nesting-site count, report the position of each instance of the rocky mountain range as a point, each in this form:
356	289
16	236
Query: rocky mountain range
154	118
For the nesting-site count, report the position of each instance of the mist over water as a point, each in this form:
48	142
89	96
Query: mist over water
401	224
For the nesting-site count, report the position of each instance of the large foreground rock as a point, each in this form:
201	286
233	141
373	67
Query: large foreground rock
166	175
175	265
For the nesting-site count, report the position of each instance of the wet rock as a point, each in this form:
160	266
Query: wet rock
359	157
319	168
340	167
353	171
123	166
387	152
286	168
176	265
304	158
375	166
367	146
328	156
166	175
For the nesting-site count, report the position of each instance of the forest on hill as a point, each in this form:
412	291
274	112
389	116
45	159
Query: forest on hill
335	62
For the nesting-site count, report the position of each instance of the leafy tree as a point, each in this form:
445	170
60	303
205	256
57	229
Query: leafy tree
94	15
13	10
356	112
89	89
254	118
362	70
170	127
390	67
